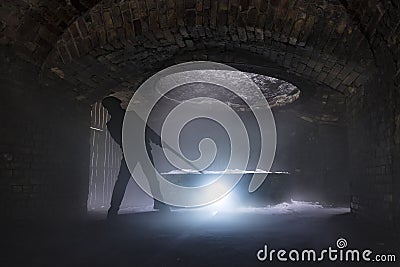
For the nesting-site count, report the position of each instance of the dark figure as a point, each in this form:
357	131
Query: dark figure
114	126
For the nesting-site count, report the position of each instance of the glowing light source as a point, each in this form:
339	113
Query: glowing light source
226	203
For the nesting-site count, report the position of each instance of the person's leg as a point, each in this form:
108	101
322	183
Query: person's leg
119	189
155	187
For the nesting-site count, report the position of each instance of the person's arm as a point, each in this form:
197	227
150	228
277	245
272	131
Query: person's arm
115	132
149	133
154	137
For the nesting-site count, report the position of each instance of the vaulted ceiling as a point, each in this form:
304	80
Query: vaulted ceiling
100	47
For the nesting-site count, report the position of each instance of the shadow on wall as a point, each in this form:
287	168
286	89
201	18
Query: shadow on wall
105	160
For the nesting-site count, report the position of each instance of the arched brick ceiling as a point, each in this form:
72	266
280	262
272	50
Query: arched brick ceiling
380	22
103	43
317	40
322	25
34	26
104	49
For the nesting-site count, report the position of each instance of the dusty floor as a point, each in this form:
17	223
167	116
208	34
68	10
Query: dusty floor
194	238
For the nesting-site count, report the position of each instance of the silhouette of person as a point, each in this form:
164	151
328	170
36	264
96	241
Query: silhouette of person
114	126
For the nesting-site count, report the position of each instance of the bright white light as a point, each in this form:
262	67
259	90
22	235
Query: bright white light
227	203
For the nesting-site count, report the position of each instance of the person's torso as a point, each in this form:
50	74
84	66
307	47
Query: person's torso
114	126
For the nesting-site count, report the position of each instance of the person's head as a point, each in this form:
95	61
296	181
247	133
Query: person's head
112	104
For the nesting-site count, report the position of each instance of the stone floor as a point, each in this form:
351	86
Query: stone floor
207	237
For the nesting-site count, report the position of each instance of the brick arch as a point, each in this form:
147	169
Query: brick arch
324	26
113	40
33	27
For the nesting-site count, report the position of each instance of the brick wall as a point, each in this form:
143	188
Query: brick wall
374	110
33	27
372	148
44	148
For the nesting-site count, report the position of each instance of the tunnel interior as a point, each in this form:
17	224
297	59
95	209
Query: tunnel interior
338	130
314	153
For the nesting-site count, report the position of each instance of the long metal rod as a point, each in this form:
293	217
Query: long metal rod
180	156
